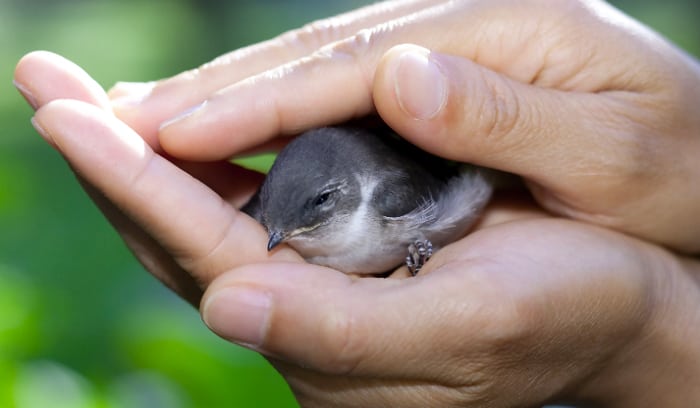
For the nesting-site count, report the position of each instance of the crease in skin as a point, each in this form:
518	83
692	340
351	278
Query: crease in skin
594	15
256	57
327	31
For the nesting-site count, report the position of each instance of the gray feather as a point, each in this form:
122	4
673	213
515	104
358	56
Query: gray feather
353	199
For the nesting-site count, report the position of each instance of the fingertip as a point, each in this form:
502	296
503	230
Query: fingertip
25	63
43	76
239	314
419	85
410	92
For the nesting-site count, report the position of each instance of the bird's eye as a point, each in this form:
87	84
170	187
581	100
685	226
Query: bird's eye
322	198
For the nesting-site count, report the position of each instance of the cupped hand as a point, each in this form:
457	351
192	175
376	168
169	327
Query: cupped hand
594	110
521	313
179	218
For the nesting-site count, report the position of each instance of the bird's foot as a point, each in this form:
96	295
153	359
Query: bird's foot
418	254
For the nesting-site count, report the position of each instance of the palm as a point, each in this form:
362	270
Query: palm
516	300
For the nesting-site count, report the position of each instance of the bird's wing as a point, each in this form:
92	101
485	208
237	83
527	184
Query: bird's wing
448	215
424	214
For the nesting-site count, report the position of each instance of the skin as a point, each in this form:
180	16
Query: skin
530	308
625	157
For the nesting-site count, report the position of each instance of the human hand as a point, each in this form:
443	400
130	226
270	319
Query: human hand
594	315
176	217
520	313
595	111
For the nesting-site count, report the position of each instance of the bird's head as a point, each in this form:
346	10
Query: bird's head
311	193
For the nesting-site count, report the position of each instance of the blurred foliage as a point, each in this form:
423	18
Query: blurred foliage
81	324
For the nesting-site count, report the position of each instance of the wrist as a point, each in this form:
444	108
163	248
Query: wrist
661	365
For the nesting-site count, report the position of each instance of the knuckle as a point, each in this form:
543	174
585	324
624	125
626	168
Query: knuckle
355	45
209	257
359	50
343	342
511	333
500	111
330	40
314	35
491	111
351	52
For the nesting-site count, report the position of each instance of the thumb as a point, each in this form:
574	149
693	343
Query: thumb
332	323
463	111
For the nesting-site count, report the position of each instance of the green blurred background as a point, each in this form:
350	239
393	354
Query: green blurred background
81	323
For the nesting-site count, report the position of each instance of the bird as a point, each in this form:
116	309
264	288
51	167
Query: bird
362	200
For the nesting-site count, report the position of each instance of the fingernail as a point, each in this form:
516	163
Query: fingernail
130	94
182	116
420	85
239	314
42	132
27	94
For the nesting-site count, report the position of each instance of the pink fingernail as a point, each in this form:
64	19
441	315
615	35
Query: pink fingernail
42	132
420	85
27	94
239	314
183	115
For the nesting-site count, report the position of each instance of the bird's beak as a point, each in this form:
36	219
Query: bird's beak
276	238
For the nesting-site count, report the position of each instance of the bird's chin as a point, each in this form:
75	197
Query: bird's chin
345	261
345	255
307	247
352	266
346	266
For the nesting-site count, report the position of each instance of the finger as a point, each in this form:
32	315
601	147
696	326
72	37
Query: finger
325	320
232	183
330	322
144	106
202	232
156	259
457	109
329	86
42	76
335	83
476	313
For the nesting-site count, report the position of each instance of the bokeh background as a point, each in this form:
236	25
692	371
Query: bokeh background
81	323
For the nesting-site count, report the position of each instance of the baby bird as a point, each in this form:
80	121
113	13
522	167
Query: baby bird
363	201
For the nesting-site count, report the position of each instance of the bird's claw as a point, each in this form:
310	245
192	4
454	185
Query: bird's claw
418	254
